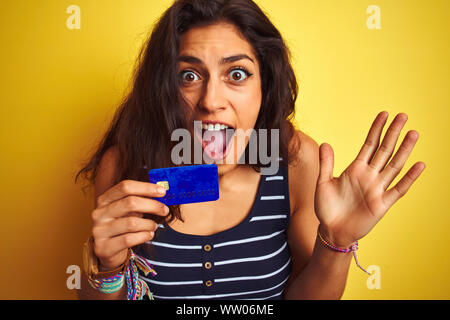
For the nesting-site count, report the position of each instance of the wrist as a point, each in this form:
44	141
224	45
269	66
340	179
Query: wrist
94	268
104	267
331	237
329	258
336	247
110	270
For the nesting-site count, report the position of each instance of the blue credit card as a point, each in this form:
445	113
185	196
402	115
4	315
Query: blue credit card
187	184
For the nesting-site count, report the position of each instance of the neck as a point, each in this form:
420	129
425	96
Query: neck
233	178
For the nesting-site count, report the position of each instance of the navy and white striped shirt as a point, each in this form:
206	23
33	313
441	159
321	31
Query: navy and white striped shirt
248	261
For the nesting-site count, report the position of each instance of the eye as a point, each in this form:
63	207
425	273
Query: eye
239	74
188	76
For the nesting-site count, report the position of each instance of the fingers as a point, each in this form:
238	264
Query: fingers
107	248
121	226
400	189
134	214
127	205
326	157
398	161
130	187
117	219
387	147
373	138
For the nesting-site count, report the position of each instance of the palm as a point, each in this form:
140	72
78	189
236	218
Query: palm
350	206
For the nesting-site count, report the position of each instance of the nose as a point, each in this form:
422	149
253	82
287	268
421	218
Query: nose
213	97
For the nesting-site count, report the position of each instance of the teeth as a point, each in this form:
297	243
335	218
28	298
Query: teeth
214	127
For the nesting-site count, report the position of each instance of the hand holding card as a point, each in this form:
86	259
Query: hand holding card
187	184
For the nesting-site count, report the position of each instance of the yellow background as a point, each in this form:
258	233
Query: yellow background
60	87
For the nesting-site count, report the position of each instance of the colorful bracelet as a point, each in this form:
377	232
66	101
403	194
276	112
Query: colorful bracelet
352	248
136	288
108	285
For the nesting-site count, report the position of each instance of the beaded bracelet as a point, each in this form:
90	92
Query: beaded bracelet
352	248
136	288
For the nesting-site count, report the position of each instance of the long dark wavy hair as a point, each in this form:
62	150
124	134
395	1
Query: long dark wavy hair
142	125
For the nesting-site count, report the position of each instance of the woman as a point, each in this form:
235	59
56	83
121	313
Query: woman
267	237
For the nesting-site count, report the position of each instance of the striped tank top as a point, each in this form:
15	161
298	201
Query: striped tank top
248	261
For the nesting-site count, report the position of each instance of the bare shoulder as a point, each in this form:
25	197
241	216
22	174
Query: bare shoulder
304	171
106	171
303	175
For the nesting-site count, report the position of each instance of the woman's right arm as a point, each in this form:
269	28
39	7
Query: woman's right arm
118	223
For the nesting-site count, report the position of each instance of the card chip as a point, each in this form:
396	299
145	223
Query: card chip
164	184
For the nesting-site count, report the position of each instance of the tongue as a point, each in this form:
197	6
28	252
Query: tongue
214	142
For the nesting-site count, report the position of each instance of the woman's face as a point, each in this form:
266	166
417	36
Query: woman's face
220	79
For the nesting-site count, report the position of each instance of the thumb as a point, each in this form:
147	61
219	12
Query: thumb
326	157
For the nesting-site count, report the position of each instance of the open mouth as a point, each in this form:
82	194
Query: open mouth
215	138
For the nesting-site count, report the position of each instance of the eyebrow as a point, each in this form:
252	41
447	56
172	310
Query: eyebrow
224	60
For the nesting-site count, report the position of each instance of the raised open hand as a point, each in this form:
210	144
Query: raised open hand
349	206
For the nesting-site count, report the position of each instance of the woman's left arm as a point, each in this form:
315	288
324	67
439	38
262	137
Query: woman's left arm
345	208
